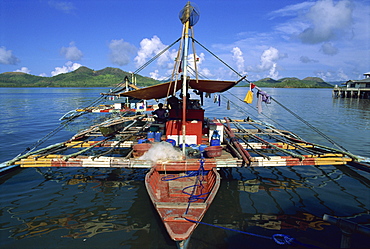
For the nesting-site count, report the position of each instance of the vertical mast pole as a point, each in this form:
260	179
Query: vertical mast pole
184	86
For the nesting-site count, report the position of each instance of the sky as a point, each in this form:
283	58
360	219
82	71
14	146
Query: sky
258	38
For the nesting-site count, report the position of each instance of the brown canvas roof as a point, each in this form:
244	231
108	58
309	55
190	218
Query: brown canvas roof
163	90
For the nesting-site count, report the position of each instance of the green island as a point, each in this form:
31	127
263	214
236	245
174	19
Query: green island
81	77
108	77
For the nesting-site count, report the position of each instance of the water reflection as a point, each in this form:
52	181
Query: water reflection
352	103
288	187
82	224
85	204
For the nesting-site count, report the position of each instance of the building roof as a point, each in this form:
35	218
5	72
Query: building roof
367	80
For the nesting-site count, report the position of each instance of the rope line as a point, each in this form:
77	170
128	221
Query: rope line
311	126
218	58
280	239
156	56
193	197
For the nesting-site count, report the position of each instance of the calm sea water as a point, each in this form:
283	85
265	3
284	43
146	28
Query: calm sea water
109	208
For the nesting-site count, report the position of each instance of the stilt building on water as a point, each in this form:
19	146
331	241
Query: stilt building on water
354	88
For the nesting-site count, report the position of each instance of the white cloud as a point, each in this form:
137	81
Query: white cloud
71	52
238	58
342	75
206	73
333	75
268	62
328	21
155	75
198	59
7	57
329	49
43	75
68	67
23	70
151	47
64	6
120	52
291	10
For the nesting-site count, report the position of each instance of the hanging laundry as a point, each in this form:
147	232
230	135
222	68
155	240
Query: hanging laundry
249	97
265	97
259	103
228	105
262	97
219	100
215	98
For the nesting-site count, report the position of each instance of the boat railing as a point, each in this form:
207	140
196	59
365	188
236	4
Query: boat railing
348	228
211	179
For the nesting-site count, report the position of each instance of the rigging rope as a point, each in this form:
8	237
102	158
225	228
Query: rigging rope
290	111
156	56
219	59
311	126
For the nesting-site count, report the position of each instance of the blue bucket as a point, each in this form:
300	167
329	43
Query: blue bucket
215	142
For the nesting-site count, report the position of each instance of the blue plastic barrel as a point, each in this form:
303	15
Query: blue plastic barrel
157	136
151	136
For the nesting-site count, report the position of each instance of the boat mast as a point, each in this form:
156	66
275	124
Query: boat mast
189	17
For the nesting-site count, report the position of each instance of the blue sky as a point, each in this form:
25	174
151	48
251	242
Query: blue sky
265	38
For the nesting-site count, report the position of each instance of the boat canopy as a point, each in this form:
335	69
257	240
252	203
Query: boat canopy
163	90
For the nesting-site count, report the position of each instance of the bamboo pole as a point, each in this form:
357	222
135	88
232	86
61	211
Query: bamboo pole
245	155
33	152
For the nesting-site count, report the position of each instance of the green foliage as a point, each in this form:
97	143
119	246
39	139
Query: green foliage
81	77
109	76
309	82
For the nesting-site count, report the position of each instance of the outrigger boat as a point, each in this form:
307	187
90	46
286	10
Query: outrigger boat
181	197
182	183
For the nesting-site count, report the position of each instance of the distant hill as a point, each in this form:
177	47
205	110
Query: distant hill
81	77
109	76
292	82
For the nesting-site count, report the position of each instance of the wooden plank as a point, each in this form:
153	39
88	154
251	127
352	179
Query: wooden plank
180	205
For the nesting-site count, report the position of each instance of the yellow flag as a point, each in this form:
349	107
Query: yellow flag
249	97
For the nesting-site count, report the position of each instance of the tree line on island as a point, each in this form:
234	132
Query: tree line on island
108	77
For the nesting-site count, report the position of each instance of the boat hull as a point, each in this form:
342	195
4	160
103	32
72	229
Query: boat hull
170	197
